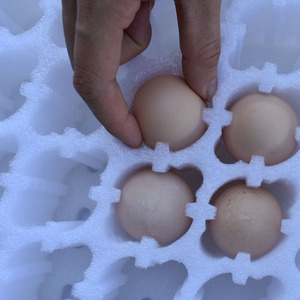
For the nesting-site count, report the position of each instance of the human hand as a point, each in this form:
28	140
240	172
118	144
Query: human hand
102	35
200	43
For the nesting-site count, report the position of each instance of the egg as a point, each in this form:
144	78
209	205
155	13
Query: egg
247	220
169	111
153	204
262	124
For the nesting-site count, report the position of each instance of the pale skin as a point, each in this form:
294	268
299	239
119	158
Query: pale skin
101	35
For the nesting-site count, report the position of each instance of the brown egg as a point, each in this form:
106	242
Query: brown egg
262	124
169	111
153	204
247	220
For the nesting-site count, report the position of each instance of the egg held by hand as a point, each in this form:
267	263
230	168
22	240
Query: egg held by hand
169	111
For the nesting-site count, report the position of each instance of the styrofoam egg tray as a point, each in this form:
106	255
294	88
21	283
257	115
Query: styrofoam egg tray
61	172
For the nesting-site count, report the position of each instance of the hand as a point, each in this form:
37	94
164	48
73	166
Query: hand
200	43
102	35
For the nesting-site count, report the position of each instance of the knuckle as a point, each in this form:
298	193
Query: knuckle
207	54
113	12
86	85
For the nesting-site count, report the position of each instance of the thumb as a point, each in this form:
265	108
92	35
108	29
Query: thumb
200	43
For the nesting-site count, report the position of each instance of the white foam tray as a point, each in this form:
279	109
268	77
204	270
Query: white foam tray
61	172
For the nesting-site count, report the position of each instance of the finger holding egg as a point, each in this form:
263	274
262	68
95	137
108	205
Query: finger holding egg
169	111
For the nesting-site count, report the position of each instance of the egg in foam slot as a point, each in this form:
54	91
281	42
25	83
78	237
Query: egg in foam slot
262	124
154	204
169	111
89	257
247	220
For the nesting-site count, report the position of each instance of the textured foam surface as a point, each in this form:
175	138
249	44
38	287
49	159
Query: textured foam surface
61	172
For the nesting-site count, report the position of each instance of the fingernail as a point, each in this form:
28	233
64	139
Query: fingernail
133	141
211	89
136	141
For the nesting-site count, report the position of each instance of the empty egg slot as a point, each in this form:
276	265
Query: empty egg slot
95	159
16	67
57	189
26	268
112	278
60	79
18	16
157	282
271	36
76	205
63	102
223	287
7	22
34	208
66	115
282	190
68	268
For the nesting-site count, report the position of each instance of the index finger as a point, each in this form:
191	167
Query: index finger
97	53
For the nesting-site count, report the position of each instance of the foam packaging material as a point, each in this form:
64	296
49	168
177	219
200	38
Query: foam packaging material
61	172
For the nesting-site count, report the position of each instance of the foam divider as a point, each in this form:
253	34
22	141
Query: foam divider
61	172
